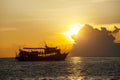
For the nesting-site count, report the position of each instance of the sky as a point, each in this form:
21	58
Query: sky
31	22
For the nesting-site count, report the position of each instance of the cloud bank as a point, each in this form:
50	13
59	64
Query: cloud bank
96	43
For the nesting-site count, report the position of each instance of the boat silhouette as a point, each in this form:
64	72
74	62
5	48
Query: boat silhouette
41	54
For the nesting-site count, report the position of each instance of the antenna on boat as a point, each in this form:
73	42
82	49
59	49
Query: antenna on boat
45	44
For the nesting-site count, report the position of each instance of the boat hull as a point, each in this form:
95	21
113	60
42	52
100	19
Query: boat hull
59	57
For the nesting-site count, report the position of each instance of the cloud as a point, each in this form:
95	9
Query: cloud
94	42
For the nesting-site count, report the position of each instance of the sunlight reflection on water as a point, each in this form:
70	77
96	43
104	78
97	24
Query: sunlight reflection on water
73	68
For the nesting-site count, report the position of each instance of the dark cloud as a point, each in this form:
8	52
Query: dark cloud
94	42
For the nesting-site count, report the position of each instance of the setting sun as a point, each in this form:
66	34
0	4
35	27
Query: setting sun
74	29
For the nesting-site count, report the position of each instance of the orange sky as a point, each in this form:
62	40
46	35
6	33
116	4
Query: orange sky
31	22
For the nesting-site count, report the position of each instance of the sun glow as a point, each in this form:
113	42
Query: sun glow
73	31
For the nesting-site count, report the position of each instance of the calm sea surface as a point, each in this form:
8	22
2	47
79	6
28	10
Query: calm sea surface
73	68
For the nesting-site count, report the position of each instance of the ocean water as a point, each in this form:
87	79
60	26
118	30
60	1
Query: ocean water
73	68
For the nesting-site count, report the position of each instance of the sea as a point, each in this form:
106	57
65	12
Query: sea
73	68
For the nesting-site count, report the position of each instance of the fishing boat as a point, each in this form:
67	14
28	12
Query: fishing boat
41	54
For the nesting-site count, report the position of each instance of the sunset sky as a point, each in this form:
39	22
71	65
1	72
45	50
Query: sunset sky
31	22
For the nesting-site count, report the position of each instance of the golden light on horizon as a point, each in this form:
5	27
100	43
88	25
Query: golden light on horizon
74	30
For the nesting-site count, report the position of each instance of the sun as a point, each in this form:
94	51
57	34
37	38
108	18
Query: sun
74	29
